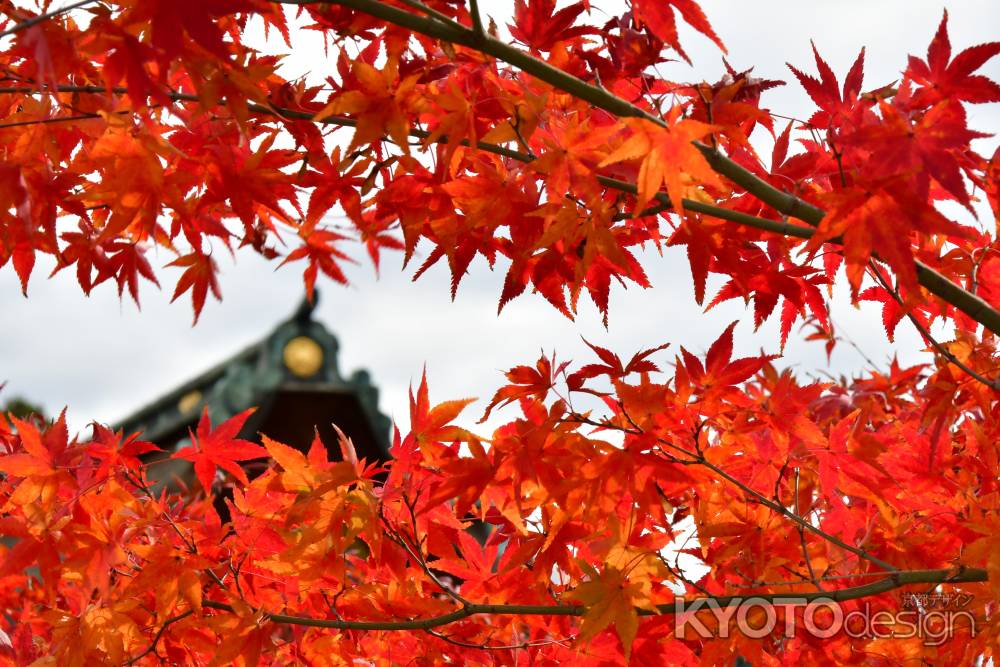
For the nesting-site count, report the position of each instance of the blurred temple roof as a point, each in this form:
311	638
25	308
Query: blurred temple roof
292	377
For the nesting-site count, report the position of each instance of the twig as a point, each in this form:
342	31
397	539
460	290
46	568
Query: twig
35	20
477	19
795	518
517	132
46	121
651	210
414	552
430	11
487	647
802	538
698	458
156	638
925	332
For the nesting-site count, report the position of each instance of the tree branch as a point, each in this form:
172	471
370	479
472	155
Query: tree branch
430	11
895	580
156	638
778	227
698	458
790	205
49	121
795	518
927	336
937	284
41	18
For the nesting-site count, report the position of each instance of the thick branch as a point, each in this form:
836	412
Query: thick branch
934	282
931	280
891	582
791	206
926	334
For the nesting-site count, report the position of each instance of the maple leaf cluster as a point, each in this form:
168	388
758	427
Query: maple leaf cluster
588	515
128	126
151	126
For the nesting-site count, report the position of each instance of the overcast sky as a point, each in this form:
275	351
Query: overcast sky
102	358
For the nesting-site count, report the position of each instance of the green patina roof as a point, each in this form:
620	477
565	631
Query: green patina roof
255	376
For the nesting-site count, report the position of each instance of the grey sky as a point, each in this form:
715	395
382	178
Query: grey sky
102	358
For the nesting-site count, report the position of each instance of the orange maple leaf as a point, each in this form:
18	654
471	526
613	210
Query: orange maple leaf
220	448
608	596
667	157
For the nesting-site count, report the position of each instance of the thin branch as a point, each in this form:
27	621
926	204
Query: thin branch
925	332
47	121
935	283
516	125
698	457
802	538
651	210
430	11
795	518
414	551
477	19
895	580
156	638
41	18
488	647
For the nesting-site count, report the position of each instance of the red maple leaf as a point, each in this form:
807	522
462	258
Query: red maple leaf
171	20
199	277
108	447
954	80
883	216
720	369
892	310
538	24
126	265
658	15
934	145
220	448
334	182
613	366
825	91
525	382
318	249
767	278
84	249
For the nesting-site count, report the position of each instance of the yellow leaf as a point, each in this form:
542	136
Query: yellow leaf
297	475
608	599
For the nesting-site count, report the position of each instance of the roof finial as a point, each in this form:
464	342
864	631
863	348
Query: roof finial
303	314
